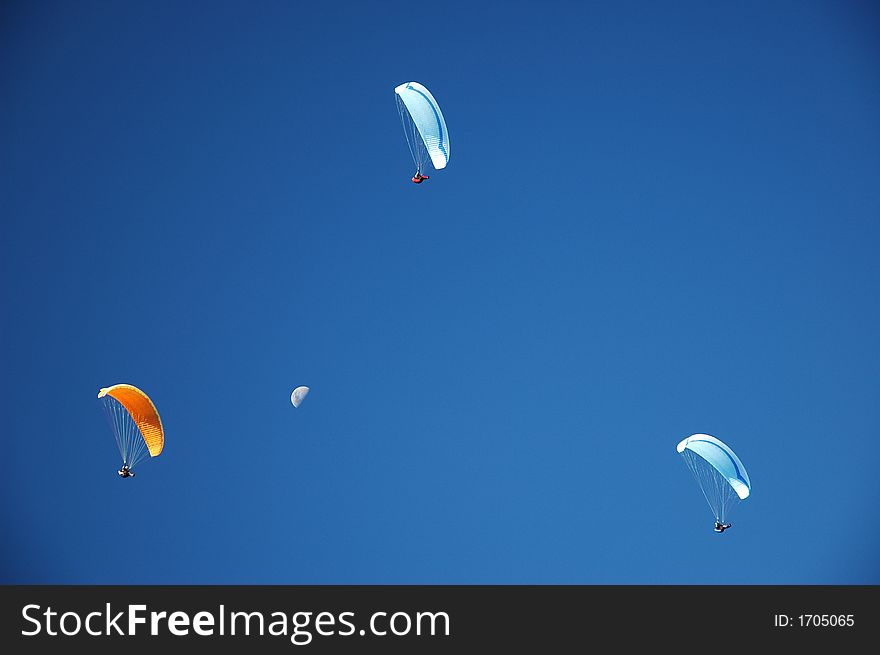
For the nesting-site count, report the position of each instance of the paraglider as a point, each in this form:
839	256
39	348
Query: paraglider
424	126
298	395
135	423
719	473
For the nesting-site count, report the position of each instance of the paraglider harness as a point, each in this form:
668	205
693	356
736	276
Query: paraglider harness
721	527
418	178
125	472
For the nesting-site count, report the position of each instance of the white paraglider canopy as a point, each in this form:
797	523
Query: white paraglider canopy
423	123
298	395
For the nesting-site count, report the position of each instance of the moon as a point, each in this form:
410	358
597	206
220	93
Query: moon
298	396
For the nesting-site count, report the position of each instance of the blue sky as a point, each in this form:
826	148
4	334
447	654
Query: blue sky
656	221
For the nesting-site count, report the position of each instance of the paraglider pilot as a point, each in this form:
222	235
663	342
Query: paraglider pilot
418	178
125	472
721	527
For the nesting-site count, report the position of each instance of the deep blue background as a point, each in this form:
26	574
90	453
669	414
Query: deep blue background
656	221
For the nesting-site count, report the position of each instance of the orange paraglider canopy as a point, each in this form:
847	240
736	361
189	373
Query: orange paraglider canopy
142	411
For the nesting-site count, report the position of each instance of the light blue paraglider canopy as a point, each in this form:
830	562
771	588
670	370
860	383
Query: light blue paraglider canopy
720	456
423	119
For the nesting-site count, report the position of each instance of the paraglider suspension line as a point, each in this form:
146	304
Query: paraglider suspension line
129	441
413	139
